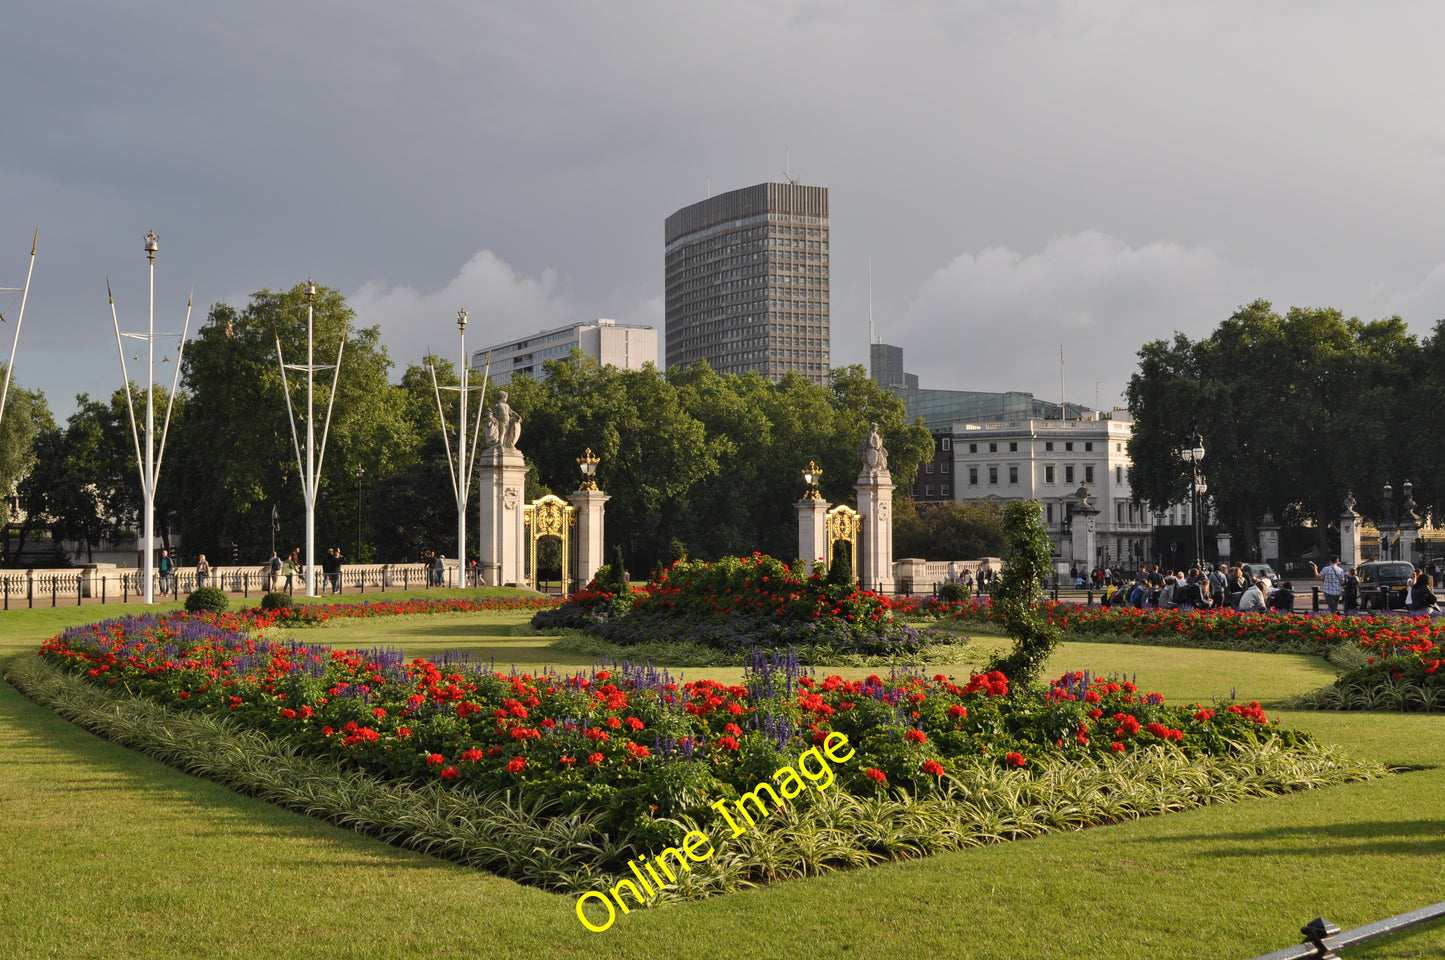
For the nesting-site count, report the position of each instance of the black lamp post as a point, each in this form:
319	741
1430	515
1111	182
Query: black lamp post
360	472
1390	545
1194	456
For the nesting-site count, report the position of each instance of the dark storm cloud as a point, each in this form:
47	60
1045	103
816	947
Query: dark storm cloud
1017	173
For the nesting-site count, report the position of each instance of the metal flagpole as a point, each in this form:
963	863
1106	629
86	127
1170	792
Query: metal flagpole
149	460
310	465
461	465
24	296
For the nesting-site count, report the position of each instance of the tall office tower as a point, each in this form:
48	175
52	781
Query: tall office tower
747	282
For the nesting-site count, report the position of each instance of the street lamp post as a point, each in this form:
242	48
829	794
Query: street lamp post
461	466
1395	521
812	476
1194	456
360	472
310	464
149	461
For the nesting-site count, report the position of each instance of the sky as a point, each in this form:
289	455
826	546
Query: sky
1023	176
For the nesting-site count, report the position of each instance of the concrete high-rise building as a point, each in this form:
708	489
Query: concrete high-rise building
608	342
747	282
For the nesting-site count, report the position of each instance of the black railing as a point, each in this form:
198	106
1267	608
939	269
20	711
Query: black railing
1323	939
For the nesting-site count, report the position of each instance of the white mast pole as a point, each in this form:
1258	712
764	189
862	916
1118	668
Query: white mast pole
10	368
148	481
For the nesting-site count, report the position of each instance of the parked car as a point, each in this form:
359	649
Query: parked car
1384	583
1257	570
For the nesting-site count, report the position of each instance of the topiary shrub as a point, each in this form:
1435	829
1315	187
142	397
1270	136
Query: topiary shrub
276	600
206	598
840	571
953	593
1015	595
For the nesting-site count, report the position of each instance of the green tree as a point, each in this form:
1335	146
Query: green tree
235	459
948	531
1294	412
27	417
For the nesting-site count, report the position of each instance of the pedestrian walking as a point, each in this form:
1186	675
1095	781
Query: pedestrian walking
1332	583
203	570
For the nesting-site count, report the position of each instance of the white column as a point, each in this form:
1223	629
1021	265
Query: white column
875	509
589	504
502	482
813	530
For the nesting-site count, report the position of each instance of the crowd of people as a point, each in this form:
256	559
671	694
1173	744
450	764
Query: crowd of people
1234	586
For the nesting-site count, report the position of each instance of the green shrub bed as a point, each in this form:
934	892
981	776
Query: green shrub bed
1401	673
617	762
741	603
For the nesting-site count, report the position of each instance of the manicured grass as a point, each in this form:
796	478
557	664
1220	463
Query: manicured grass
108	854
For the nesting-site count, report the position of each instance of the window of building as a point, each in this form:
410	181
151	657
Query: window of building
993	448
973	448
993	475
929	468
1069	474
928	490
944	491
1049	446
943	467
1013	474
1049	474
973	476
1119	447
1069	447
1088	447
1089	473
1119	512
1118	474
947	443
1013	448
1048	513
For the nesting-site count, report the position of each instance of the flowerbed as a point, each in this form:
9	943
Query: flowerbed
1219	629
1402	672
631	742
313	613
739	603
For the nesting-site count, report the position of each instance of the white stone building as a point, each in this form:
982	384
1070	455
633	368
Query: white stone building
608	342
1049	460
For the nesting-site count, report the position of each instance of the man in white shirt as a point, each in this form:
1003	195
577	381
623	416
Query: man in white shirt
1255	599
1332	582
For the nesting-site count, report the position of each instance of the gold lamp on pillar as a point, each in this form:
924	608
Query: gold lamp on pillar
812	476
588	465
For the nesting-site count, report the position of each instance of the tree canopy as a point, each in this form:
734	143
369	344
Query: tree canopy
1295	412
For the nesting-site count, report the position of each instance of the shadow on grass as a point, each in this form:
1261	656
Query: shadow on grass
67	771
1421	838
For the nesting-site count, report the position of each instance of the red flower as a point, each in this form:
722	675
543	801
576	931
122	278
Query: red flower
379	712
933	767
958	712
327	731
472	755
613	722
450	773
1116	747
916	736
1016	759
435	760
733	729
727	743
595	759
873	773
288	714
516	765
403	732
638	751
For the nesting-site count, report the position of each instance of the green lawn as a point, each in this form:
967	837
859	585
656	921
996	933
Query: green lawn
107	854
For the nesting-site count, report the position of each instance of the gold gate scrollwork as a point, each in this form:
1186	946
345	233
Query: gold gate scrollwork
843	523
549	516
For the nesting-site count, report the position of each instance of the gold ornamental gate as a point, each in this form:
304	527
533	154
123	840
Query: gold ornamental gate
843	523
549	516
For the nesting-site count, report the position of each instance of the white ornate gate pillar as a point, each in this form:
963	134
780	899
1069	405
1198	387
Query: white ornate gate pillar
1350	533
502	477
875	508
588	501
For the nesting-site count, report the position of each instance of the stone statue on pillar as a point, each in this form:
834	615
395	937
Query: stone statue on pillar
1350	533
502	474
875	508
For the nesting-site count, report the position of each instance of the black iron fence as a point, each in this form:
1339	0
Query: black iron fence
1323	939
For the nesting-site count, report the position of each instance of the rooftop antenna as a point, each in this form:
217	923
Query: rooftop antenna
1063	404
24	295
788	165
